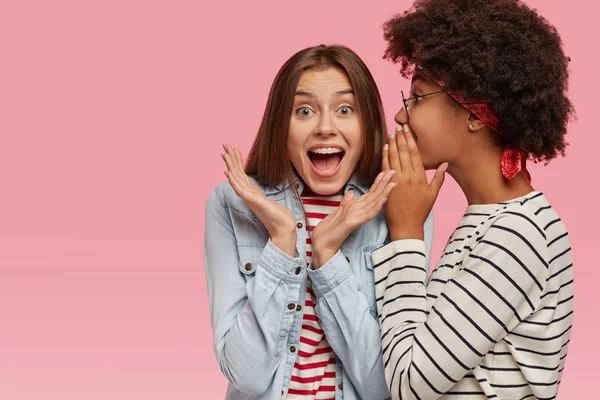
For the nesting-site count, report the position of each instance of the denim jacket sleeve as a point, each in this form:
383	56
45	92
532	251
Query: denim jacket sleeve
351	330
250	317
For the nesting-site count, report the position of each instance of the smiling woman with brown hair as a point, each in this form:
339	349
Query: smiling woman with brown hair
282	329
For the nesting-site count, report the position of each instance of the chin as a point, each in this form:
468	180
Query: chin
328	188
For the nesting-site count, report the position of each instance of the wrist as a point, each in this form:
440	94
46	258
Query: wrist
285	242
321	256
282	230
406	231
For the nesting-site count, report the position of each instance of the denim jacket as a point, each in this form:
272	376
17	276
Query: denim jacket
254	288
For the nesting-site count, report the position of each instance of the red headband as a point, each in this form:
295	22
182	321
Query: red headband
478	108
513	160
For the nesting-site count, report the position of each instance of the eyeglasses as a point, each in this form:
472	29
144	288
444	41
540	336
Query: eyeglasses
410	100
407	102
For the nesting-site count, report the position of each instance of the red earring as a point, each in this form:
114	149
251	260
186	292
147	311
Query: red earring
513	161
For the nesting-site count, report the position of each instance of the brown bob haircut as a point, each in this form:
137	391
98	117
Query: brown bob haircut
269	161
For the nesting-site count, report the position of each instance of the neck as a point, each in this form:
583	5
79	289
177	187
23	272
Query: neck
481	180
308	192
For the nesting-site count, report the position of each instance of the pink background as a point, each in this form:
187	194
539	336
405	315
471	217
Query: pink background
112	115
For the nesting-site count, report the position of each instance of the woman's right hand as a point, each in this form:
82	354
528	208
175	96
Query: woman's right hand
409	205
278	219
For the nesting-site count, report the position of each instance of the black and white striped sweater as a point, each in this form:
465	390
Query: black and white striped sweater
494	319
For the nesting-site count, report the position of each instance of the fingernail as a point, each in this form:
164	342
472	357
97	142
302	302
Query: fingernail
385	147
393	135
393	172
406	128
399	128
444	167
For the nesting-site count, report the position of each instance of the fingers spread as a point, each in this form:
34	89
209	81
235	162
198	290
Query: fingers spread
378	187
438	180
373	186
385	161
373	207
403	153
394	160
413	149
235	171
347	199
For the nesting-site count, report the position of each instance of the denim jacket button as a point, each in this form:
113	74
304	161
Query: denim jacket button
298	270
299	308
293	349
248	267
299	225
291	306
341	386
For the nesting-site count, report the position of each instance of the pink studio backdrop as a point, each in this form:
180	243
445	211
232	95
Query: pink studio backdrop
112	115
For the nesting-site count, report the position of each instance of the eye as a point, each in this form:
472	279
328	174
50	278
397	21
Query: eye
303	111
345	110
415	96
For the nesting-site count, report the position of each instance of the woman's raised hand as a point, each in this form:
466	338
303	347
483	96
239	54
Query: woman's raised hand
278	219
330	233
409	205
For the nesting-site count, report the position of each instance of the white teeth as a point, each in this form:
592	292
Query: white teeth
327	150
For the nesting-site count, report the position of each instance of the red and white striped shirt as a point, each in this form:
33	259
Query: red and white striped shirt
313	376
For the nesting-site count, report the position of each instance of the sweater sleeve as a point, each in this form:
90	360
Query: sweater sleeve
500	283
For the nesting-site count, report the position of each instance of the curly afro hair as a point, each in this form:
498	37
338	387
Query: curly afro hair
500	51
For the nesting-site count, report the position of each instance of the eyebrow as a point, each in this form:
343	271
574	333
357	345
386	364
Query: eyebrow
343	92
338	93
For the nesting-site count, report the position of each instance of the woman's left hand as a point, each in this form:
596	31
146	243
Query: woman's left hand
411	202
330	233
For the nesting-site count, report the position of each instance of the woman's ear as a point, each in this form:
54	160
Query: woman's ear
474	124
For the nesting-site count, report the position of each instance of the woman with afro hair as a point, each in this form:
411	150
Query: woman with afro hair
488	92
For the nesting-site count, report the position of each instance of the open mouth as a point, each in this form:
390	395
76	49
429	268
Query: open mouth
326	161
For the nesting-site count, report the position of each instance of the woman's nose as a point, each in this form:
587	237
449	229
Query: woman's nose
326	126
401	116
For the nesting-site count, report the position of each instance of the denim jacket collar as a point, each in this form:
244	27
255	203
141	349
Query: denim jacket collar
284	185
